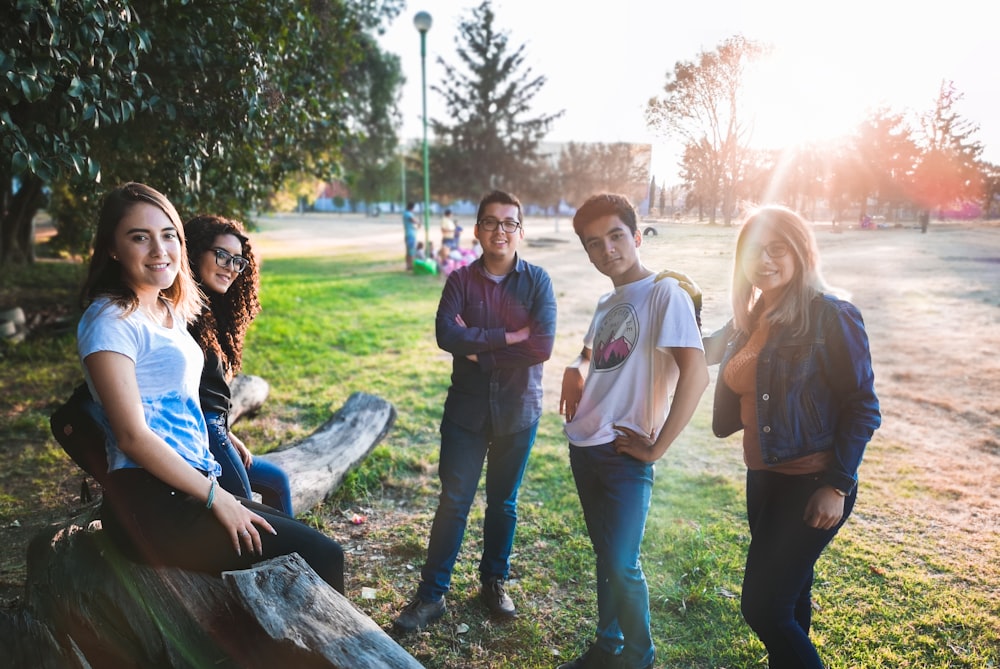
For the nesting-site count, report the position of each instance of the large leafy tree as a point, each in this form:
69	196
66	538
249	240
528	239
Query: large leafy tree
876	163
66	70
703	106
213	103
491	138
371	165
991	190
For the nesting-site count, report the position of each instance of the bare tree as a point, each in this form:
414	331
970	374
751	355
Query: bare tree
618	167
703	106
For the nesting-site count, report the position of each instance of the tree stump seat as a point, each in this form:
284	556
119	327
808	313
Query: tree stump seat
87	606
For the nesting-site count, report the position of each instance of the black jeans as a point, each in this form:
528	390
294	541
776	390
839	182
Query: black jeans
151	522
777	584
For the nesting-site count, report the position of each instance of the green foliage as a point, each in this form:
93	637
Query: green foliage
949	171
69	68
74	212
489	141
212	103
369	153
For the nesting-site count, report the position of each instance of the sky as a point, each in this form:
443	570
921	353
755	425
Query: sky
832	62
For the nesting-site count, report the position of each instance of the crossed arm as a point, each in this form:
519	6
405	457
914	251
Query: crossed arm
524	339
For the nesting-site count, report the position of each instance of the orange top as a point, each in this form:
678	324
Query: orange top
741	377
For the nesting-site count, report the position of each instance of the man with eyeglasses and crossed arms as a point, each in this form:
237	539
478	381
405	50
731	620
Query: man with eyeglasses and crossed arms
497	317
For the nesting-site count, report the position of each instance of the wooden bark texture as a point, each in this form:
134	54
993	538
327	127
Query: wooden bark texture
248	394
106	611
317	465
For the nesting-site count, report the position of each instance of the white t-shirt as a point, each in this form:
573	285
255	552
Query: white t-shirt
168	363
631	375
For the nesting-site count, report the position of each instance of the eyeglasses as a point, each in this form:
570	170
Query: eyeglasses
773	250
489	224
227	259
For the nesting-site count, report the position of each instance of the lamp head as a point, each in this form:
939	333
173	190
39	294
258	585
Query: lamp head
422	21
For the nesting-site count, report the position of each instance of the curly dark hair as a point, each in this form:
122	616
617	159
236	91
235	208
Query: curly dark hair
221	326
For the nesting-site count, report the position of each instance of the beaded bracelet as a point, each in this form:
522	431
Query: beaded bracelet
211	493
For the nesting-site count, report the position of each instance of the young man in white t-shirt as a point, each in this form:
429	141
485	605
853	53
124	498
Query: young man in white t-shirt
643	348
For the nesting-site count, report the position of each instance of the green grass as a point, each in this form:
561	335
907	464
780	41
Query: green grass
336	325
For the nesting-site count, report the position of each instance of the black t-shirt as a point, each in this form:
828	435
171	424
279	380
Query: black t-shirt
214	391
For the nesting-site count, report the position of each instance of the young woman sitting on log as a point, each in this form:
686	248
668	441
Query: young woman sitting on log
162	503
223	264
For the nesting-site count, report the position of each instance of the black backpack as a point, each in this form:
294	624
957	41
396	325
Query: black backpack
80	435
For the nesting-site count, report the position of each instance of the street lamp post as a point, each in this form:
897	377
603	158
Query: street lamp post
422	21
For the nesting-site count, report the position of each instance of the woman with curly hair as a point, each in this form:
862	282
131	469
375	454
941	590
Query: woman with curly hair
223	265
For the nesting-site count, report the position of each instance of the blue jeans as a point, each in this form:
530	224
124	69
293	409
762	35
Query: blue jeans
777	583
463	453
263	477
615	491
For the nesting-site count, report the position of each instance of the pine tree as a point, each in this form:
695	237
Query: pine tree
948	173
490	139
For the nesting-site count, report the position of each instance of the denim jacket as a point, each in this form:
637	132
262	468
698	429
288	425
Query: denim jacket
814	392
502	389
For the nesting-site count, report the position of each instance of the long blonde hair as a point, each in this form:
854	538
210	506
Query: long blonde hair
807	281
104	276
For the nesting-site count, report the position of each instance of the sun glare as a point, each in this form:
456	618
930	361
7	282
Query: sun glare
797	97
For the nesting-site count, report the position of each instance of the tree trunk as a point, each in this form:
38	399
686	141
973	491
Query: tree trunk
89	607
248	394
16	222
317	465
113	613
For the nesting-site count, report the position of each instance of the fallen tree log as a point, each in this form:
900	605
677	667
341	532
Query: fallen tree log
317	465
248	394
90	607
107	611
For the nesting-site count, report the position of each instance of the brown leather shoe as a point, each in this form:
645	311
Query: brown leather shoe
496	599
594	658
418	614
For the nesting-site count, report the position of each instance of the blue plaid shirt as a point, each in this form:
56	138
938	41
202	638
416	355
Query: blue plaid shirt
502	389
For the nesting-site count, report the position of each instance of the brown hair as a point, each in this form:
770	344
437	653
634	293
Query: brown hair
498	197
223	323
104	274
605	204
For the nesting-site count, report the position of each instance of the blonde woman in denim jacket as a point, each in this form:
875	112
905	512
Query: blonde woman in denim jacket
796	377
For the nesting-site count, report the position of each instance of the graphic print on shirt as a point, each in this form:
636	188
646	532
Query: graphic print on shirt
616	337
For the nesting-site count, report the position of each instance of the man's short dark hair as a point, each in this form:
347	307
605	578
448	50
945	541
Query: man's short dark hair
605	204
498	197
